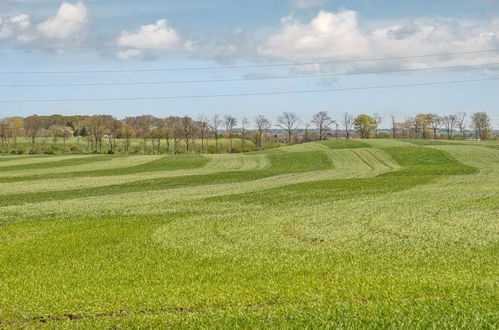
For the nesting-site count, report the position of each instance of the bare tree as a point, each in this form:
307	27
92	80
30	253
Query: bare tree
288	121
435	122
321	120
158	132
33	125
449	123
203	129
229	122
142	126
188	130
461	123
175	132
244	131
394	127
306	133
96	131
347	122
378	119
113	130
127	133
145	125
216	121
262	124
406	128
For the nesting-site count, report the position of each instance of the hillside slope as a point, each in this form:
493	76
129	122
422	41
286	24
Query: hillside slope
340	233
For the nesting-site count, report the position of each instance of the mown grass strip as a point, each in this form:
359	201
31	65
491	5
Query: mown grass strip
58	163
137	186
426	161
485	144
4	158
279	164
299	162
344	144
419	166
163	164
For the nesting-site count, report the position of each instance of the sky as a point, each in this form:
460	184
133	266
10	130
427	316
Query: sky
129	57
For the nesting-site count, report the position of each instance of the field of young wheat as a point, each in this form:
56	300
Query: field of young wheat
343	234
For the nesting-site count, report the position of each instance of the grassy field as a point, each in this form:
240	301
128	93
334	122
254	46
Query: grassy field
342	234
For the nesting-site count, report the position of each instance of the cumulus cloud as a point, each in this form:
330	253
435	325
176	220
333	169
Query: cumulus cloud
70	19
327	35
154	39
14	25
339	36
22	21
305	4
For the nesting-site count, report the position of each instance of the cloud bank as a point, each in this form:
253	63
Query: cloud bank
339	36
326	37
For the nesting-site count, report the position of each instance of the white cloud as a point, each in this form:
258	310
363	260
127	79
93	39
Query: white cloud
339	36
153	38
5	30
305	4
14	25
70	19
327	35
22	21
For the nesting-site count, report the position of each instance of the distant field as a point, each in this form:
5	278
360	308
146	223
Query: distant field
338	234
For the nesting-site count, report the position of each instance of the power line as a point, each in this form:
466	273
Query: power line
313	91
254	65
247	79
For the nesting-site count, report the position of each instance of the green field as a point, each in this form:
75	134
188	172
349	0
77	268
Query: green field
338	234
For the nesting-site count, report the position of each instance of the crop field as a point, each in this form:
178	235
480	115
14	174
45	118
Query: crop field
340	234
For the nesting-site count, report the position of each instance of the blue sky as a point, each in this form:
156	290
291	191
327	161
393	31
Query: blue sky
51	35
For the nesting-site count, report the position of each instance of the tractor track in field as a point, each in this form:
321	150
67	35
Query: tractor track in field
174	310
289	231
378	159
362	159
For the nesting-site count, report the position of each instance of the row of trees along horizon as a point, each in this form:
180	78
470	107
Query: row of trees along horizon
220	134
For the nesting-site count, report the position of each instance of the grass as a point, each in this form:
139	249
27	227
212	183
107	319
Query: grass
372	235
160	163
344	144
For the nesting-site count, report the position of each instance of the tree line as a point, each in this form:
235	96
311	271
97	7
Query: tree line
105	133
